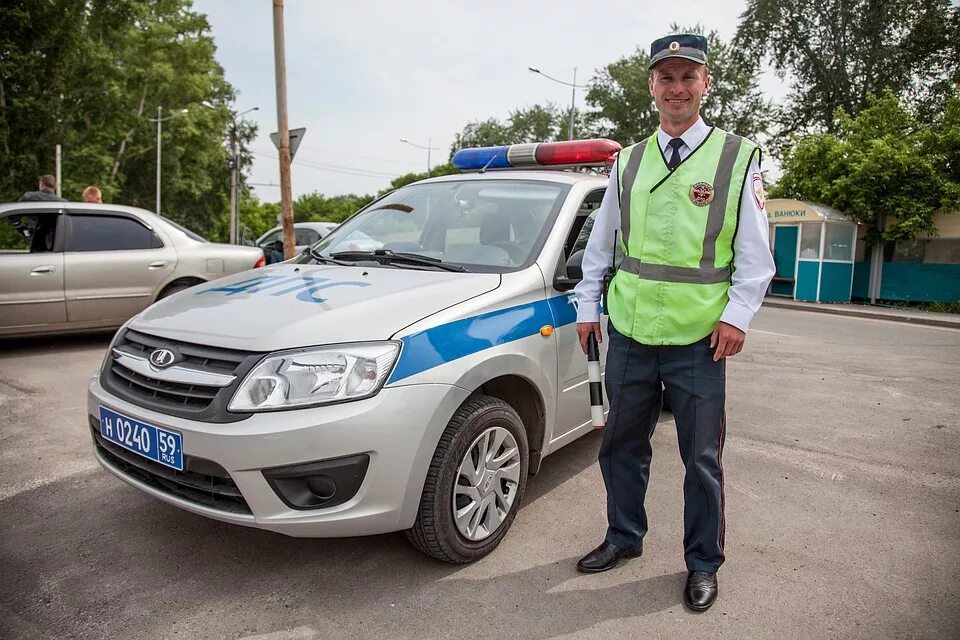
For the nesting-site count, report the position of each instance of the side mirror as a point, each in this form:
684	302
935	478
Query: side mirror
574	273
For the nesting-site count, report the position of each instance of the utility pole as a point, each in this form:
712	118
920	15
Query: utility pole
573	102
286	191
59	190
234	172
159	120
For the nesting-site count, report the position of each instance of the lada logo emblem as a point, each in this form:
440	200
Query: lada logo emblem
161	358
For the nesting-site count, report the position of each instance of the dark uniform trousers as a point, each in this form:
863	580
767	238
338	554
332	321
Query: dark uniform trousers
695	388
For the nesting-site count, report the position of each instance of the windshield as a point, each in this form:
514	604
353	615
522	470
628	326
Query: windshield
489	225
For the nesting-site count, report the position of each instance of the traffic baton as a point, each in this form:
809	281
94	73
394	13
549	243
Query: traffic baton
596	387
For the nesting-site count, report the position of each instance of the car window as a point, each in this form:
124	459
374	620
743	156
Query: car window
306	236
190	234
490	225
109	233
269	239
583	224
28	232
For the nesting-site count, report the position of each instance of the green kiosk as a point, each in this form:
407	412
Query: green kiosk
814	247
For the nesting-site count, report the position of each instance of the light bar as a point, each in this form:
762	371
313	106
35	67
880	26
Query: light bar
597	151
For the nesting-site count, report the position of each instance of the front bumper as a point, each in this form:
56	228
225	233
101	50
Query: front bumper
398	429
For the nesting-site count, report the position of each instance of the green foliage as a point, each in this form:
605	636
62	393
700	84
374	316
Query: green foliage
408	178
90	76
883	163
624	109
255	217
539	123
315	207
836	53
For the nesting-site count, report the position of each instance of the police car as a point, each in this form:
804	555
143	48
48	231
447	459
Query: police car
411	385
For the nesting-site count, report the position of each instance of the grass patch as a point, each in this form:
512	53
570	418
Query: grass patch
935	307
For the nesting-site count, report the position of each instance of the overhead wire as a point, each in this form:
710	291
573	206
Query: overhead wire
334	167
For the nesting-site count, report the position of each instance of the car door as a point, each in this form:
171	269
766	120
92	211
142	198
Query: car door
114	265
31	261
573	399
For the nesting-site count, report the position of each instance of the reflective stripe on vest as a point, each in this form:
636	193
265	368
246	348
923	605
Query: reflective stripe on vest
668	273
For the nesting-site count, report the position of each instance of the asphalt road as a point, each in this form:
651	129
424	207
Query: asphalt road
843	519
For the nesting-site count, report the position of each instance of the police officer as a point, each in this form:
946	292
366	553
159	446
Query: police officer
693	264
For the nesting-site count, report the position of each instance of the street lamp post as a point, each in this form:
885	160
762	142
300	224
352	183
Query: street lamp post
420	146
573	94
159	119
234	170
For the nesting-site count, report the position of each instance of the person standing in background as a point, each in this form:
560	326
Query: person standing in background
46	191
92	194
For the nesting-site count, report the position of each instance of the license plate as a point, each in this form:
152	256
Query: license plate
155	443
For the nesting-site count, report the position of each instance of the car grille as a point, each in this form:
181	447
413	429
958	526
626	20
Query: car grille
197	399
202	481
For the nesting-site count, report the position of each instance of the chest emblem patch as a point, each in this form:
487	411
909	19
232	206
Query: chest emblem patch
701	194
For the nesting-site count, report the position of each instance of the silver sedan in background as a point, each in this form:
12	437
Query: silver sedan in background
67	266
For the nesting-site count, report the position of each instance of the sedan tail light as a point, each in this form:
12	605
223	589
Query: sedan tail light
262	261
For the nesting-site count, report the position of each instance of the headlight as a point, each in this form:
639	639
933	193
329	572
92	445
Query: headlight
316	376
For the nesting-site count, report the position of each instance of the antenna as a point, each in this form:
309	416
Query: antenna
491	161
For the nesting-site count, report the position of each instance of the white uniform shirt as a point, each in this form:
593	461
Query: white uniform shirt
753	266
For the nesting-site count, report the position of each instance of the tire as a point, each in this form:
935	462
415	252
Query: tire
437	532
175	288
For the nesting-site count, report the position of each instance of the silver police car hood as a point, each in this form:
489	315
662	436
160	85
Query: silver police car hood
289	305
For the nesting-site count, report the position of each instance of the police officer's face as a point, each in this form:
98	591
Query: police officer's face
677	87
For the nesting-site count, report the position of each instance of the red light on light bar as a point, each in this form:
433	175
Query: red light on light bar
595	151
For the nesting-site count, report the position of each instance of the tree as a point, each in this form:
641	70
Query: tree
316	207
256	218
881	163
624	110
835	53
538	123
89	75
409	178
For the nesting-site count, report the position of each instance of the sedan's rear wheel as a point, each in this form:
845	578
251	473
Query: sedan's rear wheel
475	483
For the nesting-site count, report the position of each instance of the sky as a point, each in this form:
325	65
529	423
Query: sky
361	75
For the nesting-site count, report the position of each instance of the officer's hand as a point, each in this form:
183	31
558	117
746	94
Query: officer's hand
727	339
584	329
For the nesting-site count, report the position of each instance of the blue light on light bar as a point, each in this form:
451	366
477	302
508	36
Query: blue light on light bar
478	157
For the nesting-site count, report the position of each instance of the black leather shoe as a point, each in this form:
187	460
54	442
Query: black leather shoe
701	590
605	557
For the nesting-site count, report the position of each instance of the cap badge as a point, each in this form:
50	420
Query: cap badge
701	194
674	46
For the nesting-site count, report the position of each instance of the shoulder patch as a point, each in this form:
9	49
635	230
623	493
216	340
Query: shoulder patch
758	193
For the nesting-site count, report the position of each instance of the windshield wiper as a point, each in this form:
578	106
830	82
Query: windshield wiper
386	256
319	257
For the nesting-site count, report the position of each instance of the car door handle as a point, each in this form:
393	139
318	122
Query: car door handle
159	264
36	271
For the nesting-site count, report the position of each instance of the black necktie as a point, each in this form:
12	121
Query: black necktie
674	144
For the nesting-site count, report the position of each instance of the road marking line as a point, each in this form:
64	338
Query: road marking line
745	491
300	633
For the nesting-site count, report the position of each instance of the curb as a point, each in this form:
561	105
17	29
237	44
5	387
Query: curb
865	313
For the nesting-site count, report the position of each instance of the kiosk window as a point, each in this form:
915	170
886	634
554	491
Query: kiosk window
838	244
810	241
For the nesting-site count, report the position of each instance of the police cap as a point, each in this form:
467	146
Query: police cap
680	45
